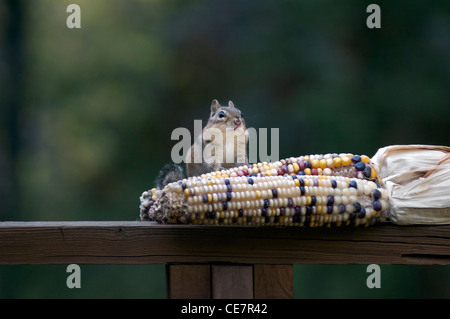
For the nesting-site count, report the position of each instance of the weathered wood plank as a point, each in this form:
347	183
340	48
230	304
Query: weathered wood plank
232	281
188	281
138	242
273	281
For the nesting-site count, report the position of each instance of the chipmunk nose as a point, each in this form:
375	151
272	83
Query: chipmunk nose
237	122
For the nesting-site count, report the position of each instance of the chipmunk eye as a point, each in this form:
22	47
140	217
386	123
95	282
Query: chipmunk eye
221	114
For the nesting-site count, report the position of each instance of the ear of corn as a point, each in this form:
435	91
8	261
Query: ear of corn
312	191
344	164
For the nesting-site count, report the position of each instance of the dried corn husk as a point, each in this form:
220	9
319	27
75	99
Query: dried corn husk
417	178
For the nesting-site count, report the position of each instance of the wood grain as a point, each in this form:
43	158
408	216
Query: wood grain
232	281
148	243
188	281
273	281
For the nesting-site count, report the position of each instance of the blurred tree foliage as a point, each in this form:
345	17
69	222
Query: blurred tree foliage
93	108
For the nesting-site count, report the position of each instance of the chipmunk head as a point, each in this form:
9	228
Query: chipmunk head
228	116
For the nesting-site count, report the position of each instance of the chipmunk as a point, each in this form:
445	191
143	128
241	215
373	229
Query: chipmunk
222	145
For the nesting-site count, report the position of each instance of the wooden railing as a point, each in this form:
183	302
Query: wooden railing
221	261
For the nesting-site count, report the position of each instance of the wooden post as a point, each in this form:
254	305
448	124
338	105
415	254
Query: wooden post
188	281
229	281
273	281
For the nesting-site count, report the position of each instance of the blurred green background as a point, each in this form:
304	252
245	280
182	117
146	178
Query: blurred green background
86	114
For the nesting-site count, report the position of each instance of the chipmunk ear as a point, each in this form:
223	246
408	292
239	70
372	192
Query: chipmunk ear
230	104
214	106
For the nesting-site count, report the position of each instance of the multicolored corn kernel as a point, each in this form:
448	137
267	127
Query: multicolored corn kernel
272	200
306	171
332	164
